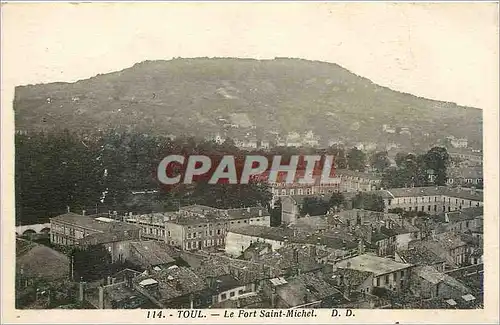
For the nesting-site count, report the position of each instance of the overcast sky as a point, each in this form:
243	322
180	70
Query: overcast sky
440	51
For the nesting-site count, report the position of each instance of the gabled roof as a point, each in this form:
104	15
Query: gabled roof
43	262
305	288
420	256
150	253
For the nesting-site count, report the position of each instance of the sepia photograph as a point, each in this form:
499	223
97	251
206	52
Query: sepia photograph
244	162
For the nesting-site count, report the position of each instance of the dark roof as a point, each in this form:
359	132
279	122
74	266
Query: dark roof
292	236
305	288
227	282
283	258
151	252
352	277
173	282
420	256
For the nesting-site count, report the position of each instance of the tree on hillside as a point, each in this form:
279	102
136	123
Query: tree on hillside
356	159
368	201
91	263
314	206
276	214
380	161
400	158
336	200
437	160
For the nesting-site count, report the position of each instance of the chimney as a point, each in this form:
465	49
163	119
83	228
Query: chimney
361	247
446	217
101	297
260	213
312	251
273	298
248	209
108	280
81	292
83	212
68	209
413	221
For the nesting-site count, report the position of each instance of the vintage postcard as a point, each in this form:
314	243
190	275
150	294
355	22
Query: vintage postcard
250	162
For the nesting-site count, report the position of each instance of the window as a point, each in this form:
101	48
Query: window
428	208
387	278
211	232
194	235
245	221
223	296
435	208
402	273
218	231
378	282
435	199
283	192
231	294
189	245
188	235
423	208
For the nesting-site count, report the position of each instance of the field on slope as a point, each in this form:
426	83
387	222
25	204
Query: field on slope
193	96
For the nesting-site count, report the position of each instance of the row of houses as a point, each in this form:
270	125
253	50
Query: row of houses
193	227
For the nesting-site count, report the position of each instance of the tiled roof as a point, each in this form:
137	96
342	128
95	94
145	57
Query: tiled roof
352	277
174	282
462	215
151	253
283	258
432	275
291	236
305	288
43	262
420	256
450	240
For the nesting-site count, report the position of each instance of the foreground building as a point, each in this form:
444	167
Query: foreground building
431	200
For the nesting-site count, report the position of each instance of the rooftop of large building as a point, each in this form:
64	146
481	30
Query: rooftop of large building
461	193
98	224
374	264
292	236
